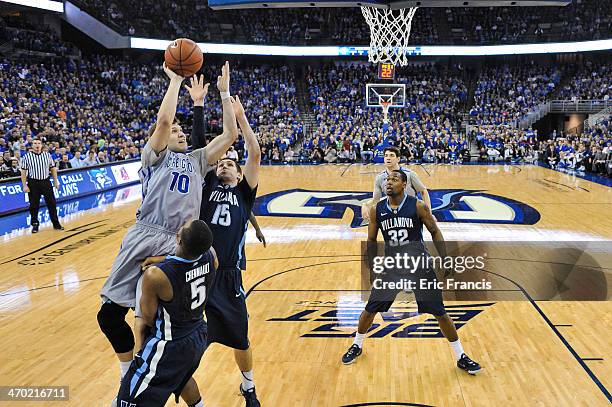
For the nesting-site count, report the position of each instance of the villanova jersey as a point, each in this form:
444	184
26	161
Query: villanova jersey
191	281
399	226
226	210
171	187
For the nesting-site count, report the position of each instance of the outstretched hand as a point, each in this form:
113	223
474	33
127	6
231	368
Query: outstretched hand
237	106
224	79
198	90
171	74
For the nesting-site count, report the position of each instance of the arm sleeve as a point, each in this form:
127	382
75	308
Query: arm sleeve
23	163
198	133
149	157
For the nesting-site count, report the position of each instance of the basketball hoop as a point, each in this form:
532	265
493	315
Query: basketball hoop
389	33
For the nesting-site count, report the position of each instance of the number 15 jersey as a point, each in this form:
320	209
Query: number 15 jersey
226	209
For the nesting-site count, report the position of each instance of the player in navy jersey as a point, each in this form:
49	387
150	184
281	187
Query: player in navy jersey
172	303
400	218
227	200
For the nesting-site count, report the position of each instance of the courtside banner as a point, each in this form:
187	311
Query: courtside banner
73	184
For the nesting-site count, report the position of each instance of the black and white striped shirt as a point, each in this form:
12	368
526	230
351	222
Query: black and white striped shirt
37	165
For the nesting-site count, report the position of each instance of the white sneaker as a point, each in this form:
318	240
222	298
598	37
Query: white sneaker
114	402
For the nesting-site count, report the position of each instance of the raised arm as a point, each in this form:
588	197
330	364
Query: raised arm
167	111
251	168
198	91
219	145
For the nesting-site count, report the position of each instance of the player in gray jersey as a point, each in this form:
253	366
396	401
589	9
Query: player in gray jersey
414	184
171	195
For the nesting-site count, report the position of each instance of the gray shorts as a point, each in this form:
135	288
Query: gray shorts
141	241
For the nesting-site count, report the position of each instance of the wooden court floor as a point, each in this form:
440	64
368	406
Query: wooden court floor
303	302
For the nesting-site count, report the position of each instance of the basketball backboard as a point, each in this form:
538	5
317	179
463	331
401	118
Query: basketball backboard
394	4
378	94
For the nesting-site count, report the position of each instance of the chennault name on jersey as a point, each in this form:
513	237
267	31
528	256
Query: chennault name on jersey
448	205
331	319
197	272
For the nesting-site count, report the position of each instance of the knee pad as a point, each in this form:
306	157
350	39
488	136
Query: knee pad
111	319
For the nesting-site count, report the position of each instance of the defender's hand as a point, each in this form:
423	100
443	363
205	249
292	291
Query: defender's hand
198	89
223	81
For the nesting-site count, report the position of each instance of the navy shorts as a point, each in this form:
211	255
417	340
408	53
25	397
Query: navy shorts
226	311
429	301
160	369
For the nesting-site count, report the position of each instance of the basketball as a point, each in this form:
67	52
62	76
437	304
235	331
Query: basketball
184	57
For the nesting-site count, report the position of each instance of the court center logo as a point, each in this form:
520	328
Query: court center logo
448	205
339	320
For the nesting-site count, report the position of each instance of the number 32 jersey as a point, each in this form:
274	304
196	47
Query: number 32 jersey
401	225
226	209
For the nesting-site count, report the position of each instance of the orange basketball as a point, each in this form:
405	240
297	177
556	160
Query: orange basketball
184	57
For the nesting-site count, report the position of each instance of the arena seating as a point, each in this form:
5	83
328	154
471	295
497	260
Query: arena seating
586	19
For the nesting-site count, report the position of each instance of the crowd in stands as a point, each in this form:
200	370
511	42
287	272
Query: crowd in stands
24	35
581	20
348	131
163	19
590	151
99	108
505	94
592	80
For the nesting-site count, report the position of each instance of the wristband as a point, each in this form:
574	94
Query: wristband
225	95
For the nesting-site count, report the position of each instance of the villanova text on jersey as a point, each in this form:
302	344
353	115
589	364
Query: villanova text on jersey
224	196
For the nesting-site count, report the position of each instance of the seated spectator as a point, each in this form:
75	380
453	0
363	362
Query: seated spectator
76	161
91	159
64	164
330	155
232	153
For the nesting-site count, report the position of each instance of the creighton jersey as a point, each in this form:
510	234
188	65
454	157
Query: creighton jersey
401	225
413	185
226	210
191	280
171	187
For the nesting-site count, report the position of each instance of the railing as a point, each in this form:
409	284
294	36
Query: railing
540	111
597	117
579	106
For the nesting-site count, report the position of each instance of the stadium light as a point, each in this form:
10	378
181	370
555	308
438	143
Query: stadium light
425	50
41	4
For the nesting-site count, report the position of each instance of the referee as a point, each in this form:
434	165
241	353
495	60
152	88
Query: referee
35	168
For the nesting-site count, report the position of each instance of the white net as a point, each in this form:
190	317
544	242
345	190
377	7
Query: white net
390	30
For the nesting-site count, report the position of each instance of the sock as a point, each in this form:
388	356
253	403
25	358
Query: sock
247	380
198	403
359	339
124	366
457	348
